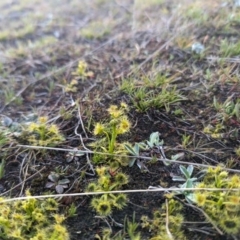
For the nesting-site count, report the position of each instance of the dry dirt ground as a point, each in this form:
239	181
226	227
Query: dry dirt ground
174	63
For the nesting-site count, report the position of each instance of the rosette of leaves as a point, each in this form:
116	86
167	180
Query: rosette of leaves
57	183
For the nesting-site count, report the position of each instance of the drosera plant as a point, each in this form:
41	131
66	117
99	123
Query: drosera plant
166	223
223	206
42	133
80	74
82	71
32	219
109	132
108	180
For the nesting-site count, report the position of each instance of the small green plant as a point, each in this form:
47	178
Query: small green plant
170	213
222	207
186	140
189	181
117	125
229	49
10	94
154	142
108	179
31	219
132	229
134	151
71	211
129	230
228	109
3	137
152	91
42	133
81	71
51	87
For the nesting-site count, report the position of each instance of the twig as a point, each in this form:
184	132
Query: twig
80	136
167	222
116	191
105	220
118	155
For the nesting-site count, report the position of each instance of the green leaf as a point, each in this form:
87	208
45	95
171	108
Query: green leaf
136	149
184	171
189	183
132	161
190	170
178	179
133	150
64	181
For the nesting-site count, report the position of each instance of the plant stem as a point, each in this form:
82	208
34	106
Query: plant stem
113	139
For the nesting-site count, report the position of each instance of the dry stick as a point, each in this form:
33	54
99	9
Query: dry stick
23	182
105	220
117	191
167	222
80	136
141	157
56	71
